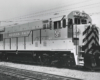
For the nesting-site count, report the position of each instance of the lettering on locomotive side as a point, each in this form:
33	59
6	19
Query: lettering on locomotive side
17	34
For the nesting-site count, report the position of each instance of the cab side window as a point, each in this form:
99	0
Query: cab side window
64	23
77	20
70	22
50	24
57	24
60	24
70	28
44	26
1	37
83	21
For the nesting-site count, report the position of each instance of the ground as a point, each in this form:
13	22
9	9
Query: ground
73	73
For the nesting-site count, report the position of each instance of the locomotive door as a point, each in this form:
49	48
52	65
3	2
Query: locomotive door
44	39
70	28
37	39
21	43
7	44
13	44
28	41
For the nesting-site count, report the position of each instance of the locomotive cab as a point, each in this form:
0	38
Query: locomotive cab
77	21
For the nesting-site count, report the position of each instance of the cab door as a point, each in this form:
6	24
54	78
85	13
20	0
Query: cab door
37	39
70	28
7	44
21	43
13	44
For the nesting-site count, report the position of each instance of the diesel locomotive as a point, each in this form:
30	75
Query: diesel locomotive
67	41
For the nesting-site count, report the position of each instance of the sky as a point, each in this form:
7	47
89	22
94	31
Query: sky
26	10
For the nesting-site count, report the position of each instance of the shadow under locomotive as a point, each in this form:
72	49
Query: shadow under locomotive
44	58
57	59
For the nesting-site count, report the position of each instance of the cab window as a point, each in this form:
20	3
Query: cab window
83	21
50	24
70	28
70	21
64	23
44	26
57	24
77	20
1	37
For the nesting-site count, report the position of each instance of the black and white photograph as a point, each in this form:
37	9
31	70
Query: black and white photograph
49	40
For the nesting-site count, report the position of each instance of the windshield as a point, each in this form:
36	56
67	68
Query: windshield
80	21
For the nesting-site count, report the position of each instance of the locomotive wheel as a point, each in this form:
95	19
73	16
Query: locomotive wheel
0	56
46	61
69	61
97	59
93	62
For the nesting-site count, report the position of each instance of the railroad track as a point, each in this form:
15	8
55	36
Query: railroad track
19	75
32	75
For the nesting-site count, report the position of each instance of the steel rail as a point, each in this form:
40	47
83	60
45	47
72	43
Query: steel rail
32	75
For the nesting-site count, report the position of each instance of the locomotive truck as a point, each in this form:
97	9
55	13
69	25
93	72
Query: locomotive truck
66	41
